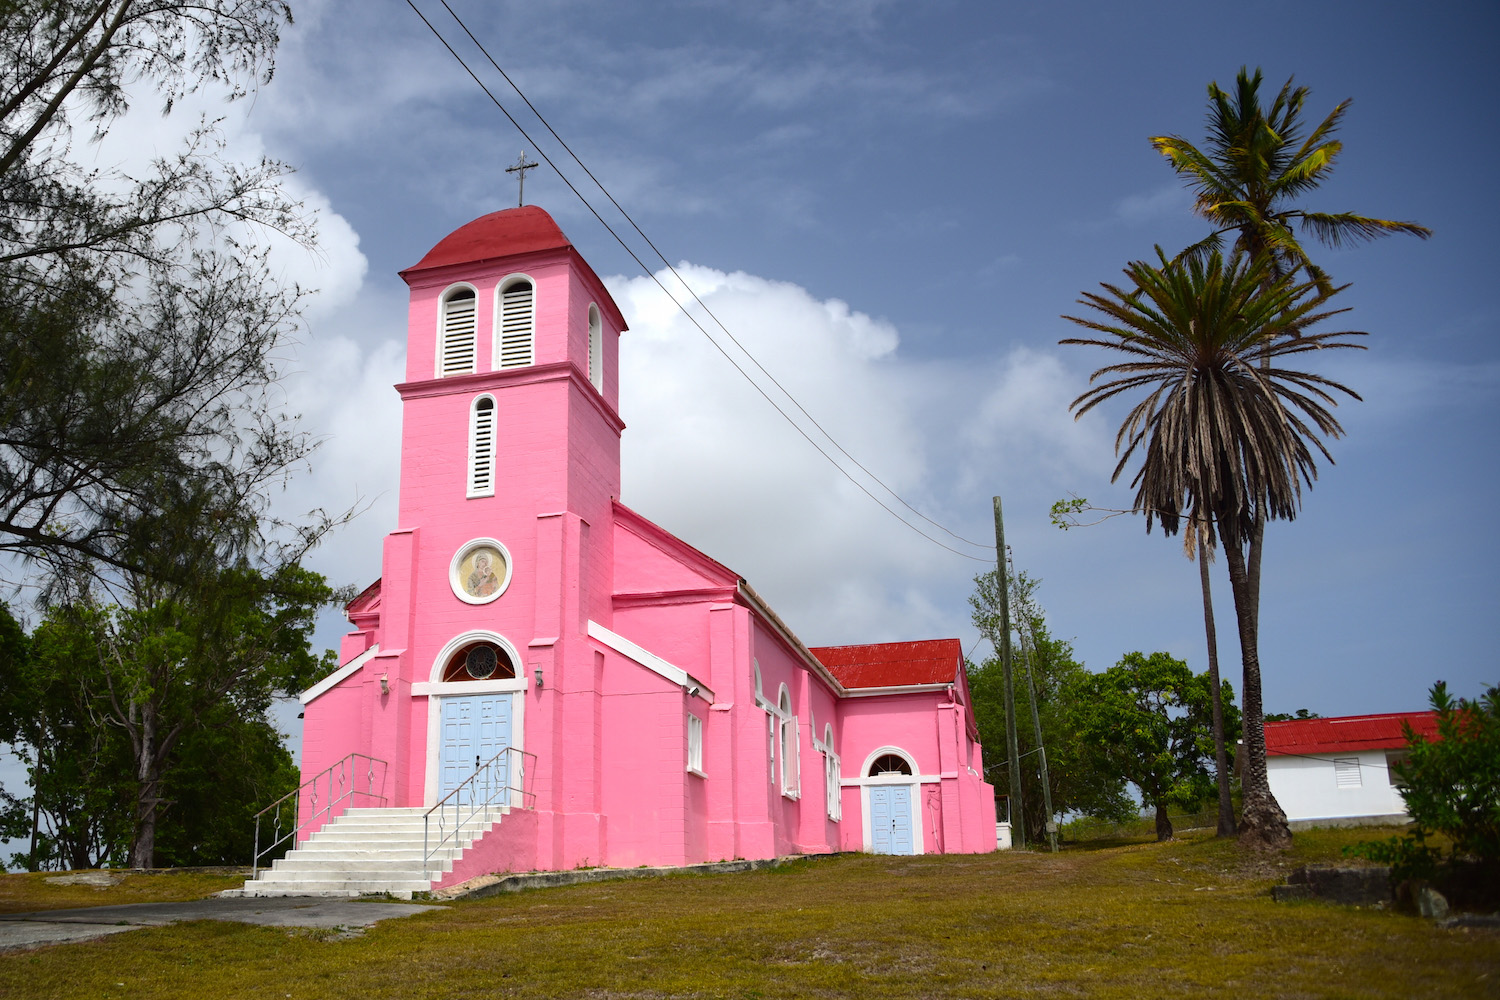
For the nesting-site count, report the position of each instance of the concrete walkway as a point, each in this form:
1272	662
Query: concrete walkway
32	930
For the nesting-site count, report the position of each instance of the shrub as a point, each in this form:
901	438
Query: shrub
1452	788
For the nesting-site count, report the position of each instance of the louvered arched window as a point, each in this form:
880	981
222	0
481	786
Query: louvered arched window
482	448
517	323
456	334
596	348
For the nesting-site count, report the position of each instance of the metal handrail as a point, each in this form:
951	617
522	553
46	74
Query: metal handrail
503	776
341	779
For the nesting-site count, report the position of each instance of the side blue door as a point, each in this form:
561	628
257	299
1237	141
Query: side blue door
890	819
474	727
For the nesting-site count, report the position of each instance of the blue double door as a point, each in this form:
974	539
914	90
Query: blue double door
474	728
890	819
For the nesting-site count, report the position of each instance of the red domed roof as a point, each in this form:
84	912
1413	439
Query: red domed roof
500	234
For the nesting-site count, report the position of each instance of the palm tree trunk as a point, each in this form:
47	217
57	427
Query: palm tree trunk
1262	823
1221	756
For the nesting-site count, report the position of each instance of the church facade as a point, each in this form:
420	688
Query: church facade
656	709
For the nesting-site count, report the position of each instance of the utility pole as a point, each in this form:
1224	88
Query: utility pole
1017	829
1028	657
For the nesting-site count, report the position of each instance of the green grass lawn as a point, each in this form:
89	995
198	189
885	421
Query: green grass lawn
1192	918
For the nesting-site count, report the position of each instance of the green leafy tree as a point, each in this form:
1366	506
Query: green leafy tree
180	663
1226	432
1044	671
1149	719
1301	713
82	809
78	814
1452	787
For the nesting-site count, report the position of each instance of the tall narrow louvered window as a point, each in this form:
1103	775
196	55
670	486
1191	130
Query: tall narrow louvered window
482	448
517	324
596	348
456	355
1346	772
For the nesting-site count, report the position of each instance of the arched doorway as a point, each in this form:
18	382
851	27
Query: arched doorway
474	708
890	800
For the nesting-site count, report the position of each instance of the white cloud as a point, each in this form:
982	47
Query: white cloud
710	460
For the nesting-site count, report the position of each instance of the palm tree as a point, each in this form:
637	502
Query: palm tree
1246	179
1226	434
1255	165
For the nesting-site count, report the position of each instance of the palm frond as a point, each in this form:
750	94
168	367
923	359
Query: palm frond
1222	426
1343	228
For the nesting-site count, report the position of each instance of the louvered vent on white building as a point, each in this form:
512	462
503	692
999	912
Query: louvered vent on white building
1346	772
482	448
517	324
457	356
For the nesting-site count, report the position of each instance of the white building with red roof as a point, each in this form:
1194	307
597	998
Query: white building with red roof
1337	771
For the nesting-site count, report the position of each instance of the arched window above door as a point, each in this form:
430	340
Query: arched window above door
889	763
479	661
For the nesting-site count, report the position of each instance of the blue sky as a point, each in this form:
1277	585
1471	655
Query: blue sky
891	204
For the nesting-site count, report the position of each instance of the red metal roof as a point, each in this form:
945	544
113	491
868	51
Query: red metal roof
893	664
1347	733
499	234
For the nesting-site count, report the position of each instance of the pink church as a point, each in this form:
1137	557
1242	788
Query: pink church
586	688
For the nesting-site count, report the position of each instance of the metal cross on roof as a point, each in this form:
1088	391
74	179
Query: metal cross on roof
520	171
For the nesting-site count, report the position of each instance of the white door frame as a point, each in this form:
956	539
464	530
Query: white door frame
436	690
916	779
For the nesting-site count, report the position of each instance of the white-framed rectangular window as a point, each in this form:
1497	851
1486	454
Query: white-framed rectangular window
694	744
1346	772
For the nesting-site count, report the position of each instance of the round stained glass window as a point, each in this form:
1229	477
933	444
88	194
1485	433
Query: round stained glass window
481	662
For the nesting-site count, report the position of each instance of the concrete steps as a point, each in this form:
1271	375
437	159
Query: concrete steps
364	852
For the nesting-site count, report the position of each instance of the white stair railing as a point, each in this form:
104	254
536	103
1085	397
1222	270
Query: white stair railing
339	783
496	786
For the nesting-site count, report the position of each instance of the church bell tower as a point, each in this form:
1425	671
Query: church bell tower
510	463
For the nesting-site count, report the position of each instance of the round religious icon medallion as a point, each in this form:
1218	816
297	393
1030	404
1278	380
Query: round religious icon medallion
480	571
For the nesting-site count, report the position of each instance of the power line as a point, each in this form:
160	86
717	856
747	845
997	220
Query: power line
668	264
675	301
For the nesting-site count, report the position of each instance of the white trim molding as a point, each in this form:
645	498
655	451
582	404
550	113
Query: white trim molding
898	689
690	684
915	780
334	679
